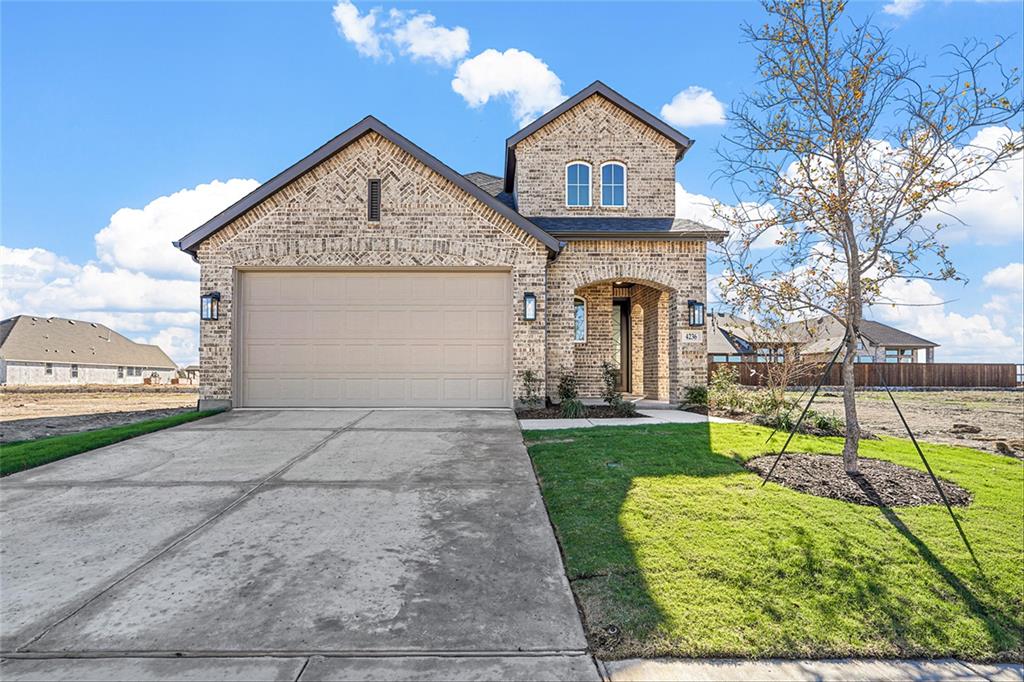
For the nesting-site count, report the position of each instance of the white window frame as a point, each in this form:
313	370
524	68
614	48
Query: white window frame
590	185
585	325
625	184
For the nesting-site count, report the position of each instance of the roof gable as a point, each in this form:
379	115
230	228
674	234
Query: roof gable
190	242
682	142
55	339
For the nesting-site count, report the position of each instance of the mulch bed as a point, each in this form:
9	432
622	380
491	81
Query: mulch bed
879	484
593	412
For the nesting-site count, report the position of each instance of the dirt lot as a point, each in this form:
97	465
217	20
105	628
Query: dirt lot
998	414
27	414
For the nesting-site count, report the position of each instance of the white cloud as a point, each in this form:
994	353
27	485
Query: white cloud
415	34
140	239
526	81
359	29
963	338
178	342
419	38
93	288
1007	277
139	284
994	212
902	8
700	208
694	106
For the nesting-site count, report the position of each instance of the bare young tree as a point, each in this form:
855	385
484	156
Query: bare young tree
842	159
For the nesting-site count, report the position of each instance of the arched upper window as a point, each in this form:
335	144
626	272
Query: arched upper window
577	184
579	313
613	184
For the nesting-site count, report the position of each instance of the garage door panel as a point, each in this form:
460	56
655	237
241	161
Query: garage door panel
375	338
277	323
491	358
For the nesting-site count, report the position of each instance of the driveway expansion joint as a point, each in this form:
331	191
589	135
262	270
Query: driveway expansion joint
182	538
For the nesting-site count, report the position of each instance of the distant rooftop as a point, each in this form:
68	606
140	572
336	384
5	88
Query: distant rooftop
30	338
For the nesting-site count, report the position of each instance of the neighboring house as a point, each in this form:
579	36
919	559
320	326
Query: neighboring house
734	339
53	350
819	339
190	373
370	273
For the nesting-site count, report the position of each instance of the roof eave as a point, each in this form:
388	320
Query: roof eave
711	235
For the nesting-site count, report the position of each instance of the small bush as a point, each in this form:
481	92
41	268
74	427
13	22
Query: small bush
568	388
611	394
569	395
572	409
696	395
814	423
531	389
724	392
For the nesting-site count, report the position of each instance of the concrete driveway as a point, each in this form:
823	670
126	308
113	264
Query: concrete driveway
279	544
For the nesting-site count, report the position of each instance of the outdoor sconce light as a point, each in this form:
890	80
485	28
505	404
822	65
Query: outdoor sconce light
696	314
209	306
529	306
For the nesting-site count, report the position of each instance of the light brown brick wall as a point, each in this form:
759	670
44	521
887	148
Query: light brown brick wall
596	131
319	221
654	303
677	268
588	356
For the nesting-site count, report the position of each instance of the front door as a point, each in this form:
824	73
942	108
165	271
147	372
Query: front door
620	342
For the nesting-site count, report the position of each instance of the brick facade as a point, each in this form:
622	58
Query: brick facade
596	131
320	221
676	270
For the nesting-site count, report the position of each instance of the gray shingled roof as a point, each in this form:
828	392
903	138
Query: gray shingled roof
826	333
649	227
55	339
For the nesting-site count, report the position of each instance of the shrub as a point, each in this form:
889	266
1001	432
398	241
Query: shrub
724	392
696	395
569	395
572	409
531	389
611	394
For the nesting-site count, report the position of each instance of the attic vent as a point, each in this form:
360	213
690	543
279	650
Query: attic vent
71	321
373	201
93	325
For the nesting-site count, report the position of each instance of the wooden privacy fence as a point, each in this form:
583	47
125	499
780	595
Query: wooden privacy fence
931	375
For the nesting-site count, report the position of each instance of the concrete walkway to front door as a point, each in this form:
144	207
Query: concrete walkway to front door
280	544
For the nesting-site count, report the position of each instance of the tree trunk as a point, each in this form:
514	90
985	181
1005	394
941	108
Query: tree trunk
852	443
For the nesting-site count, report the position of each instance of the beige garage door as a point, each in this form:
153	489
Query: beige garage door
337	339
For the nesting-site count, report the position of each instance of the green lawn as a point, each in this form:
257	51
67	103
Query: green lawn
32	453
669	539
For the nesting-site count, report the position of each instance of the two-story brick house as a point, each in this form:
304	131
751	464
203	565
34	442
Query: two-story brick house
371	274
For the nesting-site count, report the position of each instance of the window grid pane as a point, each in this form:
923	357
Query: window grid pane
613	185
578	185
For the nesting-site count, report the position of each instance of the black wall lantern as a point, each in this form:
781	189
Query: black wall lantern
209	306
529	306
696	314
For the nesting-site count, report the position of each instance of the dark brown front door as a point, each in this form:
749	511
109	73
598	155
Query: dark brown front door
620	342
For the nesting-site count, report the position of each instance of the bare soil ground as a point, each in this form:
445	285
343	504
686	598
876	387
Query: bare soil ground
30	414
998	416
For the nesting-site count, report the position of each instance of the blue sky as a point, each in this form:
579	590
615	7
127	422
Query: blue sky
117	117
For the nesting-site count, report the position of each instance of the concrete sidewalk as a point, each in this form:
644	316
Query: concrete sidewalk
653	416
846	669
